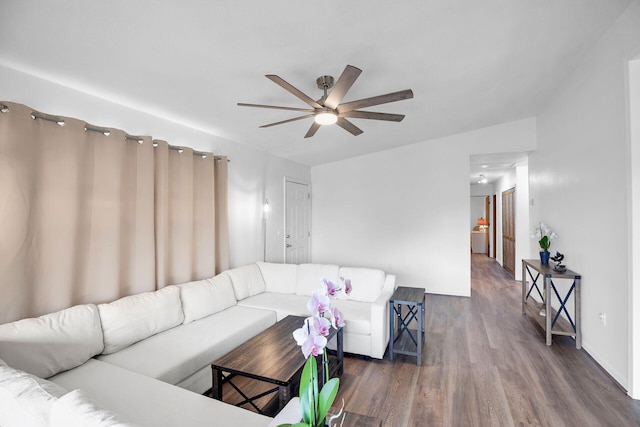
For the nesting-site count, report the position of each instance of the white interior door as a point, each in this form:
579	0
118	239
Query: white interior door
297	223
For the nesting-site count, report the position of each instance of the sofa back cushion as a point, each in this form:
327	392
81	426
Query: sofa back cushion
136	317
205	297
52	343
279	278
78	409
310	277
26	400
247	281
366	283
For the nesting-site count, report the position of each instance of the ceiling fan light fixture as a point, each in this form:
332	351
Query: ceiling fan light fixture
326	117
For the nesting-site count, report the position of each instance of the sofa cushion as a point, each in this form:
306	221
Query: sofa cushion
149	402
366	283
25	400
78	409
206	297
136	317
279	278
177	353
52	343
310	277
247	281
282	304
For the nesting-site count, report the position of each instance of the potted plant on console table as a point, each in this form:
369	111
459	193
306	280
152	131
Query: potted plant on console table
311	337
544	236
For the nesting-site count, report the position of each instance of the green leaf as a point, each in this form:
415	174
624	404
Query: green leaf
327	396
309	390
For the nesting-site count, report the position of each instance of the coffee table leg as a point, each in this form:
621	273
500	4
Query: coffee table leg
216	389
284	396
340	339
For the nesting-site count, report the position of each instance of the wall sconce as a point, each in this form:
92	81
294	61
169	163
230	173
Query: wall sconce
266	209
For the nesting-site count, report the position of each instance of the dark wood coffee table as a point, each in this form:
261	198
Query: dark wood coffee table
274	357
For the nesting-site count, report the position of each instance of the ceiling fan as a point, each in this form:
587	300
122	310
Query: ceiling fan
328	109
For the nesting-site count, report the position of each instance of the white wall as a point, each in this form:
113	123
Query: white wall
579	180
406	210
476	210
253	175
634	288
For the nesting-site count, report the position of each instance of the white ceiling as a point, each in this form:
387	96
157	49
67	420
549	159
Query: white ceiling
494	166
469	63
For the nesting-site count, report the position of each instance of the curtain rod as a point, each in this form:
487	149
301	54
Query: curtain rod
47	117
92	128
137	139
201	154
105	131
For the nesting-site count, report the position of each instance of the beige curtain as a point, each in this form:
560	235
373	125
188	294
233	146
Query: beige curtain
86	217
191	232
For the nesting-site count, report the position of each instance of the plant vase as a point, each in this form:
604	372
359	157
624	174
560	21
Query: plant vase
544	257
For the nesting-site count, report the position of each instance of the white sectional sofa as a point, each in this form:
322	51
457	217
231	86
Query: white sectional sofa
139	360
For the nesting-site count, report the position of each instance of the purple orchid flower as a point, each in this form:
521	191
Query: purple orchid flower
319	302
337	319
321	325
330	287
313	345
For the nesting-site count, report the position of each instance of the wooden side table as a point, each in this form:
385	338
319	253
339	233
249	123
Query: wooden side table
551	321
413	299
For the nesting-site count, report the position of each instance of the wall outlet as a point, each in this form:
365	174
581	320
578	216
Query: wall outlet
603	318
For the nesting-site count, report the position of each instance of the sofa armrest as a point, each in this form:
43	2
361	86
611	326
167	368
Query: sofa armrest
290	414
389	284
380	318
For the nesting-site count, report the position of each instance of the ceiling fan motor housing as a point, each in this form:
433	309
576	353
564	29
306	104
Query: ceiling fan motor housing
324	82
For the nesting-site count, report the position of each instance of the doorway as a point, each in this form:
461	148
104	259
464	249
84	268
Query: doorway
297	222
509	230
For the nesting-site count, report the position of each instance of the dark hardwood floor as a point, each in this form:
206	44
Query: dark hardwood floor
486	364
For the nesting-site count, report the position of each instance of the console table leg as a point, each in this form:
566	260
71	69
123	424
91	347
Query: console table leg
576	308
547	304
420	328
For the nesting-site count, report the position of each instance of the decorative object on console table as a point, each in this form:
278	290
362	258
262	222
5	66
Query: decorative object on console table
311	337
557	258
544	236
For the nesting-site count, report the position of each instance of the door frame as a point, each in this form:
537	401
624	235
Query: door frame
284	225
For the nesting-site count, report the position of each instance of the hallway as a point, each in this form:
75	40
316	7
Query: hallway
486	364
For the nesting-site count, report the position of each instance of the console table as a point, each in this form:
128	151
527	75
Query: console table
551	321
413	299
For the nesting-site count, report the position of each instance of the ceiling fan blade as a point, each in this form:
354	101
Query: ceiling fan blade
280	82
288	121
376	100
342	86
356	114
348	126
242	104
312	130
